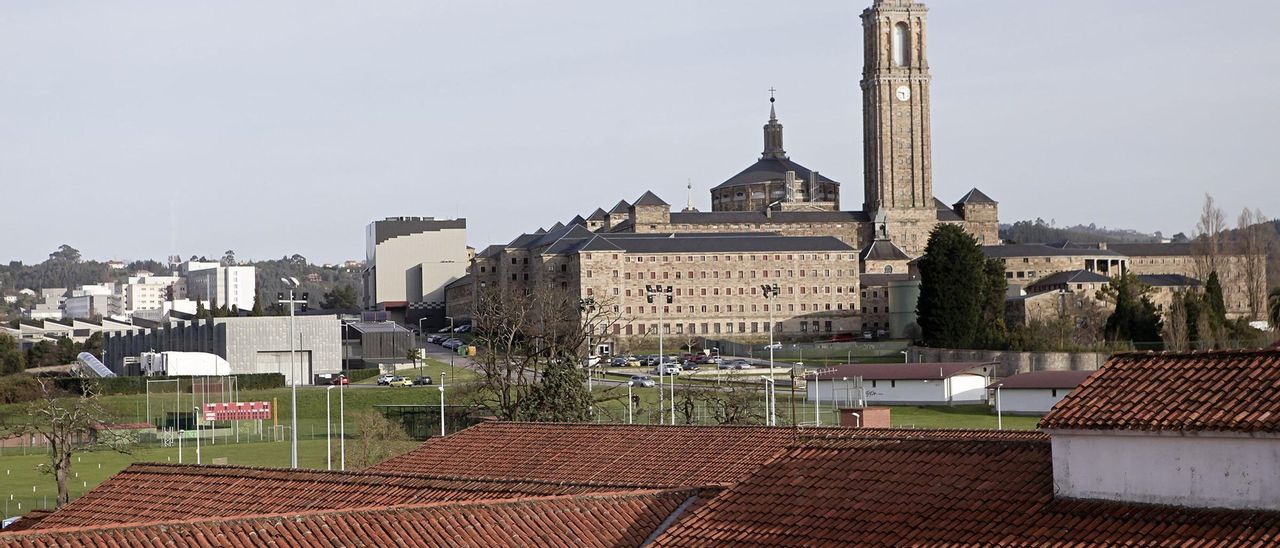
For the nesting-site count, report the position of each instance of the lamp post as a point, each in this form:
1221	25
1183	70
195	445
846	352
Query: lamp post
817	396
292	284
770	293
342	425
768	403
328	431
651	291
180	433
195	413
455	351
999	412
442	405
420	332
629	400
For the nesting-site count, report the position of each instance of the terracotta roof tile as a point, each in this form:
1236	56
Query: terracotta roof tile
859	491
657	456
157	492
1220	391
618	519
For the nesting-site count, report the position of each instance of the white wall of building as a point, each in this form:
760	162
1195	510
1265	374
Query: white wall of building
415	267
1030	401
964	388
1199	469
224	285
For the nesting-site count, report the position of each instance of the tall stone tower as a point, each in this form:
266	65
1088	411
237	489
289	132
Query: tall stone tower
895	112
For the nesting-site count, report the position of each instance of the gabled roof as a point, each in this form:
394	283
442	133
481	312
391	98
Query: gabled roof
621	207
559	225
149	492
598	215
922	492
649	199
1233	391
1152	250
771	169
616	519
576	220
760	217
883	250
1041	250
657	456
975	196
1042	379
907	371
939	204
1069	277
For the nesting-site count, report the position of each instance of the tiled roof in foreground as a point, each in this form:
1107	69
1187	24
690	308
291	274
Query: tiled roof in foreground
1236	391
157	492
618	519
887	492
657	456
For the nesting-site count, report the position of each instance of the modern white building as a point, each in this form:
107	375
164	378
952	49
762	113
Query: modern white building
50	305
1197	429
151	292
217	285
408	263
89	301
902	384
1034	393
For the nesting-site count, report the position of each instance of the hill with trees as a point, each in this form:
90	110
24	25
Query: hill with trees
1041	232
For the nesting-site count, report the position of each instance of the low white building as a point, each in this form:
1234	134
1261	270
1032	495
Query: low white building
1034	393
1198	429
903	383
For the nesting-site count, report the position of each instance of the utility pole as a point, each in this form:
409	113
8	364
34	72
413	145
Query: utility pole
770	293
292	284
651	291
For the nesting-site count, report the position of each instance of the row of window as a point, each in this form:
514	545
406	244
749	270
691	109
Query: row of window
728	291
705	328
728	274
714	308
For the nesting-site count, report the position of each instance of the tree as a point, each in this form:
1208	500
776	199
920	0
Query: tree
11	358
379	440
1135	317
1273	308
257	307
70	425
953	289
342	297
1253	250
1207	244
201	312
1177	329
992	332
561	396
1214	311
65	253
43	354
229	258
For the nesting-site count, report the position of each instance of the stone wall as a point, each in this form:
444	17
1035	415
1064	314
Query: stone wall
1012	362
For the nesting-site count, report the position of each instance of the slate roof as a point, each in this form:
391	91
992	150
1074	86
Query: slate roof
1232	391
930	492
872	279
771	169
649	199
906	371
689	243
1041	250
598	215
949	215
1070	277
1168	280
618	519
883	250
576	220
760	217
621	207
1042	379
159	492
975	196
1151	250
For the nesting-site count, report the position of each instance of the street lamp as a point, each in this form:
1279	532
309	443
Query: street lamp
420	332
442	405
292	284
999	411
455	351
195	413
651	291
328	431
342	424
180	433
770	293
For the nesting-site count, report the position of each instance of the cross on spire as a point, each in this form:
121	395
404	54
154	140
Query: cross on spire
772	115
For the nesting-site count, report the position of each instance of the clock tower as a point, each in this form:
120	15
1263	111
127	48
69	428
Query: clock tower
895	118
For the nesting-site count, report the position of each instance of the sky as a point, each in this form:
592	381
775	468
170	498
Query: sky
141	129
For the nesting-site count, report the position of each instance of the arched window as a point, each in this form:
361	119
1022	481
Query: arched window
901	45
888	269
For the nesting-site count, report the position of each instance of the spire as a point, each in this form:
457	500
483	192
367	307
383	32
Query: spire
688	208
773	134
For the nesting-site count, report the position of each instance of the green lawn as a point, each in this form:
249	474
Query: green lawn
432	367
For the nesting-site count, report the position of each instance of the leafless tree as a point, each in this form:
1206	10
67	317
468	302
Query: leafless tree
1177	332
1207	244
517	333
70	423
1253	250
379	440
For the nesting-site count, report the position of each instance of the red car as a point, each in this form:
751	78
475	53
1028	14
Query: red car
340	379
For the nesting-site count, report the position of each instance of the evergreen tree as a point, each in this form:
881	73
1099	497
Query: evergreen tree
560	397
992	330
342	297
201	313
11	358
41	354
1216	306
1135	317
257	307
1273	308
953	289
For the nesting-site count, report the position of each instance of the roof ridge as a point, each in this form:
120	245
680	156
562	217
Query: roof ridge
690	491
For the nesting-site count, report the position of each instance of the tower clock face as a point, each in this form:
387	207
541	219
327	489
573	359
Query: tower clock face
903	93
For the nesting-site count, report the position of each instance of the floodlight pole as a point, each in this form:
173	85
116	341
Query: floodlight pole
342	424
292	283
328	430
771	419
195	413
442	404
999	411
651	291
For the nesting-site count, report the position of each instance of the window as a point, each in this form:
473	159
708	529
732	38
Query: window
901	45
888	269
1054	392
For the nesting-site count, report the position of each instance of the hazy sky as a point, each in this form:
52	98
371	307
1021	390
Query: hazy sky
141	129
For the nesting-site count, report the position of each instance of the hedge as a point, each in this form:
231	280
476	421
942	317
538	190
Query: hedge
138	385
357	375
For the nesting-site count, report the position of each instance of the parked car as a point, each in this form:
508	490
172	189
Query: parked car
339	379
618	362
641	381
690	365
400	381
666	369
724	365
385	379
422	381
738	364
452	344
776	345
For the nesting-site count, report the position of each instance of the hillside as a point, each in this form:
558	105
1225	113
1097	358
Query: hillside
1040	232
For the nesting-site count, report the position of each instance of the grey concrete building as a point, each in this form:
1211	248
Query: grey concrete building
250	345
409	261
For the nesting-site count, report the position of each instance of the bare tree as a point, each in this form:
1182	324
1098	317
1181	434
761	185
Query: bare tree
518	333
1177	331
1253	251
1207	243
380	439
70	425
